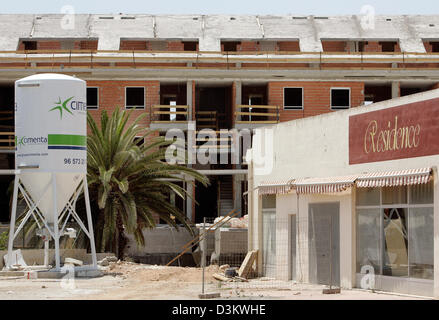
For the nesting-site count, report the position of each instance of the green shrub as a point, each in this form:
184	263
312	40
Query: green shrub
4	237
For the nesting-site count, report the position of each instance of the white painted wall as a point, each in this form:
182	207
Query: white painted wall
319	147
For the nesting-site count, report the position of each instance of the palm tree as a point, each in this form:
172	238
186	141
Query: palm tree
130	182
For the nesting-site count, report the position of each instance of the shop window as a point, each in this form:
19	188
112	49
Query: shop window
269	235
368	239
340	98
92	98
394	195
368	197
421	194
395	255
421	243
395	234
293	98
134	97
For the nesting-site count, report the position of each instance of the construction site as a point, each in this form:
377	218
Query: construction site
219	81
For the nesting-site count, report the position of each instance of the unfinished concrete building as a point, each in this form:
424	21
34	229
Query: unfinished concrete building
220	71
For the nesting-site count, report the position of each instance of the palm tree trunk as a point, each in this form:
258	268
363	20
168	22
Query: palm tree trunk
121	239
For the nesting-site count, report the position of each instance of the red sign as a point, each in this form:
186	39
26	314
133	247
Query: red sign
406	131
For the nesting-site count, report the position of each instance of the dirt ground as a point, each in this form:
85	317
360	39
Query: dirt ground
130	281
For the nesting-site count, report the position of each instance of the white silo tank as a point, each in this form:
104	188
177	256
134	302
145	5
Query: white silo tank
51	158
51	131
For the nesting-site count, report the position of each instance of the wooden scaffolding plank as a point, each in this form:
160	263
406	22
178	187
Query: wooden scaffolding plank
247	264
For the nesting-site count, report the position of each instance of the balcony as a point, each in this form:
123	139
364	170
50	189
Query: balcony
207	120
7	134
165	117
255	116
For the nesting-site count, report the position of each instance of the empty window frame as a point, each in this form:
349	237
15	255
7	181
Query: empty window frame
92	98
388	46
135	98
340	98
30	45
139	141
293	98
190	45
434	46
230	46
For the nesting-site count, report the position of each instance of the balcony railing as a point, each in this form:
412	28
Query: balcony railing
169	114
256	114
123	59
207	120
7	141
7	134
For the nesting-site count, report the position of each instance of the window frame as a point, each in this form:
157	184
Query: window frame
97	97
408	207
294	107
127	107
340	107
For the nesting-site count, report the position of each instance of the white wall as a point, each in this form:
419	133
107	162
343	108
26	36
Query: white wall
319	147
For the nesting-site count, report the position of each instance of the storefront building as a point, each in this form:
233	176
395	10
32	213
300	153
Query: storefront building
350	198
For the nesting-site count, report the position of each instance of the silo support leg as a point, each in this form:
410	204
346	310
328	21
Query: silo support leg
90	223
13	217
55	224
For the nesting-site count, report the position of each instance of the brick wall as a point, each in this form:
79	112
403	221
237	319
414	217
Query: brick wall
371	46
56	45
175	46
132	45
292	46
316	96
248	46
334	46
88	45
112	95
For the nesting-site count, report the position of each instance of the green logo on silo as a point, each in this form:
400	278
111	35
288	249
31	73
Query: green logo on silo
61	106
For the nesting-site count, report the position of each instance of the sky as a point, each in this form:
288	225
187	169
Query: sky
305	7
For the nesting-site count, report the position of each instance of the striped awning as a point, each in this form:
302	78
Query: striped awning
275	187
394	178
341	183
324	185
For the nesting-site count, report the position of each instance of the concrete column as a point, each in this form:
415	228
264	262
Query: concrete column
436	233
189	101
238	97
347	242
395	89
302	251
237	190
250	205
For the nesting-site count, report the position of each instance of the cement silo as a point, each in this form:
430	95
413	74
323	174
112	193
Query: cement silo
51	152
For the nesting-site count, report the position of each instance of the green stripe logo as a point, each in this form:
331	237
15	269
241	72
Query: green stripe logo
67	140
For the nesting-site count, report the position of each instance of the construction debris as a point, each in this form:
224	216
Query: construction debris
229	222
224	267
106	261
72	261
247	264
17	262
230	272
221	277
